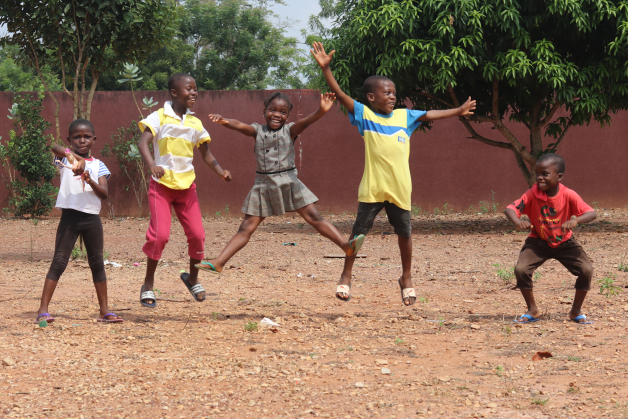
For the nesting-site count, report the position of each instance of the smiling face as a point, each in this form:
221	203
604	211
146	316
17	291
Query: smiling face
82	139
548	177
184	93
384	98
276	114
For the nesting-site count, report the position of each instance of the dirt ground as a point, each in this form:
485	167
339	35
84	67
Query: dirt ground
455	353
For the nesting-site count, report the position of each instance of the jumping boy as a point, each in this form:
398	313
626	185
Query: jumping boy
386	183
175	131
554	210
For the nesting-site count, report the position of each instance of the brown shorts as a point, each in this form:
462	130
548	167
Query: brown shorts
570	254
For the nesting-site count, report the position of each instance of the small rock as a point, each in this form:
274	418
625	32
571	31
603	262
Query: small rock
359	384
492	405
386	371
8	362
444	379
302	315
381	362
475	326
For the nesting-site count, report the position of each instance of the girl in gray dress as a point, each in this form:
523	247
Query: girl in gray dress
277	188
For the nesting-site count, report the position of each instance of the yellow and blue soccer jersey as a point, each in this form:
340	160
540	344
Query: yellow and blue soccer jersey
173	142
387	145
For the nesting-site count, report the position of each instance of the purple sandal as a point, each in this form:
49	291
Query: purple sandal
104	319
49	318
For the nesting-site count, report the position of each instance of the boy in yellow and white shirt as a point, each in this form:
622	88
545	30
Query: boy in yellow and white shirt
386	183
174	132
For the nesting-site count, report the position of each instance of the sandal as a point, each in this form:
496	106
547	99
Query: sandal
194	289
356	243
48	318
526	318
581	317
407	293
104	318
207	267
343	289
147	295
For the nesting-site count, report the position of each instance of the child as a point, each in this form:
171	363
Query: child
79	200
386	182
277	188
554	211
174	131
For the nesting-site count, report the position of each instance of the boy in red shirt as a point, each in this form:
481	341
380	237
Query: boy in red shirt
554	210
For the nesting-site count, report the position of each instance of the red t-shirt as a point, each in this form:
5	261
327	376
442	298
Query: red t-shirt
547	215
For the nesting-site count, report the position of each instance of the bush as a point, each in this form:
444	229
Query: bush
28	154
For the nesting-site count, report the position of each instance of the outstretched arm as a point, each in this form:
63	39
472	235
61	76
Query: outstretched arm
211	162
327	100
234	124
466	108
323	59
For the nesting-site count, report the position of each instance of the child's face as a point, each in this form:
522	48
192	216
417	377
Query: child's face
184	93
547	176
384	98
81	139
277	113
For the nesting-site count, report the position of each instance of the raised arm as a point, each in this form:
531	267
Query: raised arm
323	59
77	166
327	100
234	124
466	108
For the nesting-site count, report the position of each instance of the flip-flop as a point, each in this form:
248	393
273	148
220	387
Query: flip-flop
581	317
343	289
526	316
207	267
356	243
407	293
194	289
49	319
104	318
147	295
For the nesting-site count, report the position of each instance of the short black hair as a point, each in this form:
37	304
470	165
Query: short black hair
278	95
174	79
80	122
555	159
370	84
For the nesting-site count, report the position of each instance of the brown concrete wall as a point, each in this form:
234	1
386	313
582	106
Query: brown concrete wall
447	167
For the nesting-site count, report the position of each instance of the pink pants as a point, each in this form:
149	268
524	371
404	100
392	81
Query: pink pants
187	208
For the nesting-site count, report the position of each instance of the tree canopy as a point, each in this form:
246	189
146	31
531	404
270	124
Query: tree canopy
548	65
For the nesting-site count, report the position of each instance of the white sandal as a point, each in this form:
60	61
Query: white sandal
343	289
407	293
148	295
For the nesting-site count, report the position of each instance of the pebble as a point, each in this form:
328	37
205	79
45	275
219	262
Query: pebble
381	362
475	327
444	379
360	384
8	362
386	371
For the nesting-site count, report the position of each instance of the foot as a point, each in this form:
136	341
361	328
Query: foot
346	281
148	286
107	315
406	282
578	317
211	265
535	314
193	280
44	315
354	245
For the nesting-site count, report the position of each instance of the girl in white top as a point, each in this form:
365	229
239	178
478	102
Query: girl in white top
83	186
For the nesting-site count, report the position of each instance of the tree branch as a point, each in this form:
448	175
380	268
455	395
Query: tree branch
551	113
562	135
522	166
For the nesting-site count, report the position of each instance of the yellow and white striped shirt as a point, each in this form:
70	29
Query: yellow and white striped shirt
173	142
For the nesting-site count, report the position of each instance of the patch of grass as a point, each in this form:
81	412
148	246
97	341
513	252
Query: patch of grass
539	402
77	253
608	287
105	255
251	327
347	348
216	316
504	273
573	390
537	276
156	291
507	330
623	267
574	358
424	299
489	207
399	341
499	370
416	210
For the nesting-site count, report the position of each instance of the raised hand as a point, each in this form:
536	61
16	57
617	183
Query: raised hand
218	119
322	58
467	107
327	101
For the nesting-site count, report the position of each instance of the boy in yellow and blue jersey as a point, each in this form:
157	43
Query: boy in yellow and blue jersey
386	183
175	132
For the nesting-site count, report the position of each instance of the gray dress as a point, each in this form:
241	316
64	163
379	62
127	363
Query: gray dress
277	189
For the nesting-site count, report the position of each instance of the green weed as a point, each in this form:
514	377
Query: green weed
424	300
540	402
504	273
507	330
623	267
77	253
499	370
608	287
251	327
399	341
416	210
574	358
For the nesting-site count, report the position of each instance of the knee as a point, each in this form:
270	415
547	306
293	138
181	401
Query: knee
587	270
521	270
196	236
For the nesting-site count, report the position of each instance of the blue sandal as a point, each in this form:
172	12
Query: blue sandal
581	317
529	318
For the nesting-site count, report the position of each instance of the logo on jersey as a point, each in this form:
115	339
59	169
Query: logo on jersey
401	139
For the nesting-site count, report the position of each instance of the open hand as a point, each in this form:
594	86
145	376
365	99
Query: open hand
218	119
327	100
226	175
468	107
322	58
157	171
568	225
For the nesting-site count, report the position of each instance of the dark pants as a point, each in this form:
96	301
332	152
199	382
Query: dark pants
399	218
72	224
570	254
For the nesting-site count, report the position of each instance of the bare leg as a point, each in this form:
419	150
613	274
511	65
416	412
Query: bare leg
237	242
149	279
326	229
101	293
533	310
576	308
193	278
345	278
405	248
49	289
